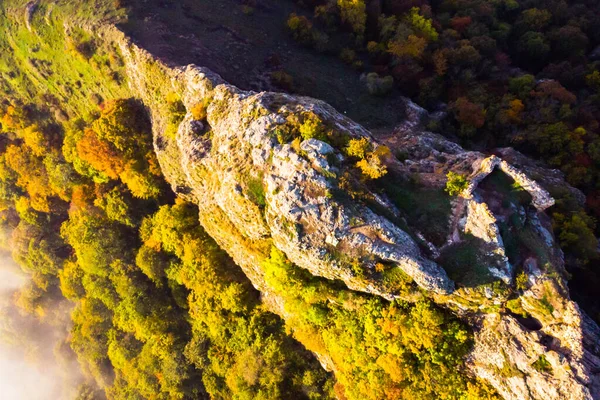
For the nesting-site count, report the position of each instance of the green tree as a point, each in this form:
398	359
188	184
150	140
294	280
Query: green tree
353	13
576	234
533	47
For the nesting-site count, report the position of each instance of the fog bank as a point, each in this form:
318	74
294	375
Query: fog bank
31	367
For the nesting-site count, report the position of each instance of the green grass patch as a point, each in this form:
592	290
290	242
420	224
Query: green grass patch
504	184
465	264
256	191
397	281
427	210
516	307
64	65
520	240
542	365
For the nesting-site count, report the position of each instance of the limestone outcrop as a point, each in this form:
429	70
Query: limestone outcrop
296	209
544	347
259	183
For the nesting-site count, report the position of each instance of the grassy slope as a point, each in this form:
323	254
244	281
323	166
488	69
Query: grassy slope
44	60
240	47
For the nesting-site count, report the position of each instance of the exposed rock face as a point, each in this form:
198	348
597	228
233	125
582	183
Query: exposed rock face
555	357
515	370
29	10
481	223
434	156
508	348
299	213
541	198
550	179
254	192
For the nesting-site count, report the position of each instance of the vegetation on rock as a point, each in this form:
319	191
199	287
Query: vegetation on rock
456	183
161	311
520	74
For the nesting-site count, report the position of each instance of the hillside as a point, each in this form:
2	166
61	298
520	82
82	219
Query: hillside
219	238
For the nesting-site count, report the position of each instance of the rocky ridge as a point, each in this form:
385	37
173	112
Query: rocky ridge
255	191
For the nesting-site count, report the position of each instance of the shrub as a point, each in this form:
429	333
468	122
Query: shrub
283	134
374	47
593	80
422	24
358	65
413	47
370	161
321	41
357	268
35	139
534	47
247	10
359	148
521	281
516	307
378	86
116	206
312	127
199	110
100	154
176	110
152	263
282	80
96	99
471	116
256	191
347	55
141	184
576	233
456	183
542	365
372	168
301	29
521	85
460	24
85	48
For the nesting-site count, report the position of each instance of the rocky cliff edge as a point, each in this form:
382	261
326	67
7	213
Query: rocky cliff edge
270	169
